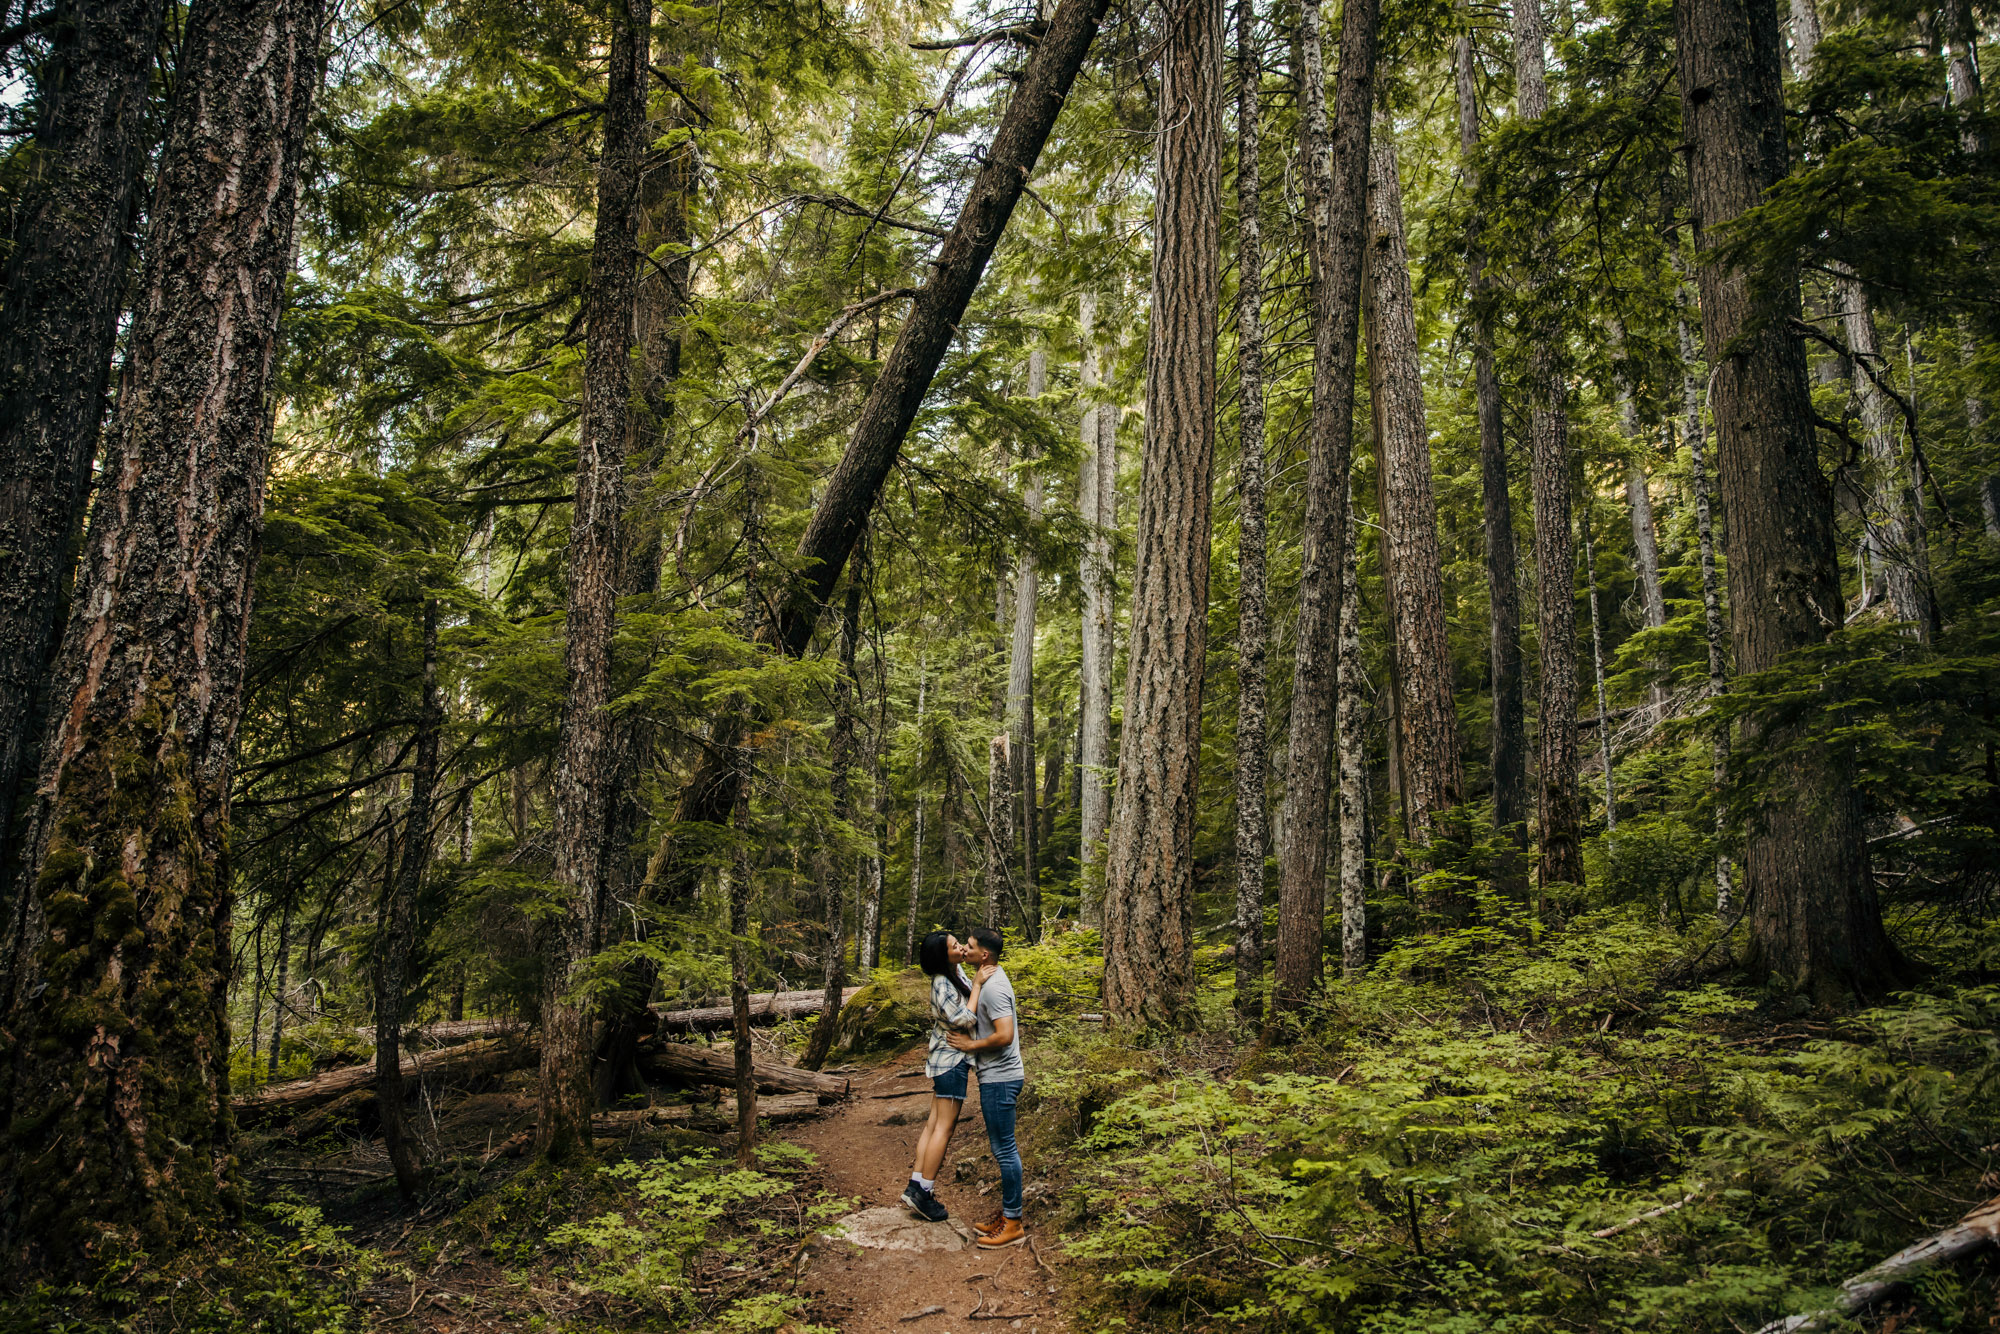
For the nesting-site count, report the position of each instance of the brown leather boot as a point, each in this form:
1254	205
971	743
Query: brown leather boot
1011	1233
991	1225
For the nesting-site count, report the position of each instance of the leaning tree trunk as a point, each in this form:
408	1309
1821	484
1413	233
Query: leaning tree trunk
840	791
1149	873
1813	912
1597	677
1508	745
1021	671
1413	562
118	1040
65	274
586	747
1337	194
1253	745
898	392
1559	805
399	921
1098	502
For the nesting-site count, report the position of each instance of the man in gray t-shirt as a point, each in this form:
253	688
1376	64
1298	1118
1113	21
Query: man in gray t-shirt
995	1045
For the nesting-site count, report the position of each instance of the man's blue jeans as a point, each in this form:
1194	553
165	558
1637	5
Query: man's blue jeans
996	1105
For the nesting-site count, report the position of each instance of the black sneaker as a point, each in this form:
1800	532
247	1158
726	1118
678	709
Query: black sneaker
924	1204
913	1198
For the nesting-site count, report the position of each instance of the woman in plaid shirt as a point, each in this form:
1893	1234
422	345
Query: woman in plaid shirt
954	1002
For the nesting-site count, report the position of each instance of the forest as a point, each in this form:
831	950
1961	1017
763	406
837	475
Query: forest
1431	567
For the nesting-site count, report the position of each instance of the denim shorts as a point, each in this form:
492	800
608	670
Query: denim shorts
951	1084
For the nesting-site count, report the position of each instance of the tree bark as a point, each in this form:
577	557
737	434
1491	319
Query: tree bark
897	394
1336	194
1350	718
878	823
1813	912
1508	743
585	749
1413	562
743	1059
1559	806
1253	744
399	920
119	1046
1021	669
833	881
1711	599
1149	872
999	826
1098	501
281	990
917	822
1597	675
72	245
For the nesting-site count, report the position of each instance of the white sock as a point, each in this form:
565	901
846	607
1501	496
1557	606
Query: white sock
928	1183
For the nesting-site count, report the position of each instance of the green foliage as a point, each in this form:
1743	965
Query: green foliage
1442	1154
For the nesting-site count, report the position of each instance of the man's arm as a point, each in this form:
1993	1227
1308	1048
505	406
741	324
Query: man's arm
1003	1033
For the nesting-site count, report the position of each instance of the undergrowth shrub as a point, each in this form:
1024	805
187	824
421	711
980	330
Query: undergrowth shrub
1499	1129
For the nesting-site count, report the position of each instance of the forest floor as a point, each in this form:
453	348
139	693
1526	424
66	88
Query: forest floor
499	1244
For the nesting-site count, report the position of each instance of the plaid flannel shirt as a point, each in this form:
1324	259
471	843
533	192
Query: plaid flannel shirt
948	1011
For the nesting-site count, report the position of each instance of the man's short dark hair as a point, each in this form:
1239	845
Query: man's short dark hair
987	938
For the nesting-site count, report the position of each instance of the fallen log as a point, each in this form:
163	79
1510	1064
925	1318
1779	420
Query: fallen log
717	1065
449	1032
1976	1231
487	1056
610	1125
766	1007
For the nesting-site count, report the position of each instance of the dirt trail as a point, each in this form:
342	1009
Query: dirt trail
904	1265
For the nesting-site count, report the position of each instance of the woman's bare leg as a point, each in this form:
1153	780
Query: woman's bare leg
930	1151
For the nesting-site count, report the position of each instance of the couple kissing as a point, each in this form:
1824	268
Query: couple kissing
974	1027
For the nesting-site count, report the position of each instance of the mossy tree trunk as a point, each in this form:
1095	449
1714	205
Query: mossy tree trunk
66	270
399	922
586	754
1814	917
118	1100
1336	189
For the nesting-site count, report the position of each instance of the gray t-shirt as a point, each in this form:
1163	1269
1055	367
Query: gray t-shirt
996	1001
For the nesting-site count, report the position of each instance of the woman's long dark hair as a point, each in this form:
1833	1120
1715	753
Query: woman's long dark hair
935	958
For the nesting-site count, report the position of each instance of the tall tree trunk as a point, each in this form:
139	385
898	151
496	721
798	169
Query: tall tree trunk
282	988
1149	873
1413	562
1559	805
1253	745
1711	599
1813	912
1337	196
399	921
585	752
999	827
1962	69
840	785
65	274
1508	744
119	1040
739	973
878	822
1098	501
898	392
1350	717
1597	675
917	830
1894	542
1021	670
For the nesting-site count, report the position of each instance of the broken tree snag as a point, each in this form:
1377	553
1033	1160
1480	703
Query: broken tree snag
892	404
1974	1232
489	1056
717	1065
765	1008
